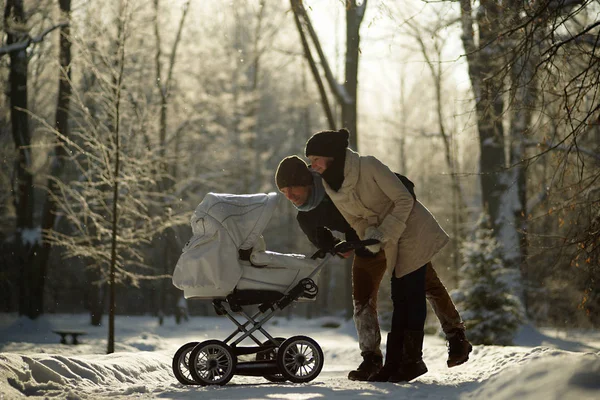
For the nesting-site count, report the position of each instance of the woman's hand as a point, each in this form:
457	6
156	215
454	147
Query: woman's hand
372	232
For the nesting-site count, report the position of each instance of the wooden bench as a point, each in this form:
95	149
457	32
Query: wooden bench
64	333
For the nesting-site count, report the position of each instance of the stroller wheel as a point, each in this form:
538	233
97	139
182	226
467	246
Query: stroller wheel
300	359
271	354
212	362
181	364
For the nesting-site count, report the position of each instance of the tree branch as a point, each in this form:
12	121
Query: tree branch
554	48
311	62
338	90
563	147
186	7
29	40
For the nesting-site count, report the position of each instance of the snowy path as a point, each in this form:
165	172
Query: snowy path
32	363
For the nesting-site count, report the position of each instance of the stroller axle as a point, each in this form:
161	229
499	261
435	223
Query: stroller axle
257	368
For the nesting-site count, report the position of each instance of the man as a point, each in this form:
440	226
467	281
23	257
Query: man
317	216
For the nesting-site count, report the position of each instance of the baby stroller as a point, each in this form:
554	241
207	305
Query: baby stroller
226	261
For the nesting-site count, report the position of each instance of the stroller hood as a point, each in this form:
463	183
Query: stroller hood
222	224
244	217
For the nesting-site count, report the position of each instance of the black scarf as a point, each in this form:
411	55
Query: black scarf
334	174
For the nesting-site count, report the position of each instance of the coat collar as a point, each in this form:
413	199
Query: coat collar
351	170
351	174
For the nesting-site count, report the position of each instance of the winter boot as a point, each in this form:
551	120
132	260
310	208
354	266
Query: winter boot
371	364
412	365
393	354
458	348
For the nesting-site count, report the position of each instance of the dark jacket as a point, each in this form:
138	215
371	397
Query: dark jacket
327	215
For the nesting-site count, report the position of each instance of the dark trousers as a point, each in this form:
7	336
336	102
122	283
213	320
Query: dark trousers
408	298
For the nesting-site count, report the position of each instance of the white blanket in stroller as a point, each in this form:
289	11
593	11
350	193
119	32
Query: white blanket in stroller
222	224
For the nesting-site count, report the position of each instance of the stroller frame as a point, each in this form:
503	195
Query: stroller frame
254	323
192	362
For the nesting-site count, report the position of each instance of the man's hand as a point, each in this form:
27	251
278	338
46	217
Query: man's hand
325	239
346	254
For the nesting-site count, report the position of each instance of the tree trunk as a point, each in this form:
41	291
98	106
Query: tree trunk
115	217
23	191
56	169
255	143
162	138
403	130
346	93
487	89
354	17
96	302
298	10
163	85
492	160
523	96
498	184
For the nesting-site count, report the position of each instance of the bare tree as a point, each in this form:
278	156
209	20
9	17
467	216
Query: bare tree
485	56
57	166
345	93
117	80
164	83
311	61
15	24
164	86
112	206
26	244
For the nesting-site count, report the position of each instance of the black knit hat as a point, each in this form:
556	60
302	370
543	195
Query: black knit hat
293	171
327	143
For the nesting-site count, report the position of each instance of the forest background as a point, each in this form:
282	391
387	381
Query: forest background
117	117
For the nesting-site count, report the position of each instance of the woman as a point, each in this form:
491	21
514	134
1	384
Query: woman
378	206
317	217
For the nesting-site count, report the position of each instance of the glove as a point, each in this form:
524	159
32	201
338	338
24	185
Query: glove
373	232
342	250
325	239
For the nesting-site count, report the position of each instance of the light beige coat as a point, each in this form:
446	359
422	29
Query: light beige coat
372	195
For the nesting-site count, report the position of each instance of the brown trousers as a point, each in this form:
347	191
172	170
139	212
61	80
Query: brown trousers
367	273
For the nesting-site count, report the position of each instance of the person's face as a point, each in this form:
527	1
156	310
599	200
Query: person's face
298	195
319	163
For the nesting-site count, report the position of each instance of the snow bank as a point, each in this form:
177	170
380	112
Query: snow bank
54	375
557	375
38	366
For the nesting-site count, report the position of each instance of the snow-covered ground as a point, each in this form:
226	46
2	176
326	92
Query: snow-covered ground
545	365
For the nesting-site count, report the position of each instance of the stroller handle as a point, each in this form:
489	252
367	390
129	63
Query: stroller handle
342	247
